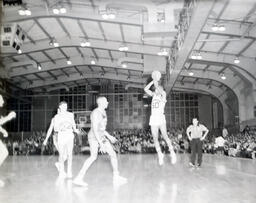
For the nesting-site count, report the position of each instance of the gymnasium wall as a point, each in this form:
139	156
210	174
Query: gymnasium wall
127	108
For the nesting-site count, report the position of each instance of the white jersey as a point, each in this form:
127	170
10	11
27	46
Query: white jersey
64	122
196	131
157	105
220	142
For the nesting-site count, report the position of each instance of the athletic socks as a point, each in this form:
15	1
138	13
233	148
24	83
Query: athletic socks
160	158
173	157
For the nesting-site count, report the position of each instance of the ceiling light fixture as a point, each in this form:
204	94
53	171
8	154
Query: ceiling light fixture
196	55
55	11
222	28
63	10
123	48
223	77
124	65
108	14
24	12
21	12
236	60
163	52
93	62
39	67
85	44
217	27
55	44
191	73
69	62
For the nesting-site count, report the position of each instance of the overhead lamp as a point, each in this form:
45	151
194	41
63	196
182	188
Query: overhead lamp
93	62
236	60
223	77
199	56
193	56
24	12
28	12
63	10
108	14
55	44
55	11
222	28
196	55
123	48
39	67
215	28
191	73
69	62
21	12
104	16
85	44
124	65
163	52
111	16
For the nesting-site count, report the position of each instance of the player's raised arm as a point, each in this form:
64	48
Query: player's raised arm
147	89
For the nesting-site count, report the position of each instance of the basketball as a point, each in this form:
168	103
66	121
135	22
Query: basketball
156	75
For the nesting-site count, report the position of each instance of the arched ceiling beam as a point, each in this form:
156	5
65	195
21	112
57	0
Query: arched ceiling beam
76	77
220	60
76	61
198	19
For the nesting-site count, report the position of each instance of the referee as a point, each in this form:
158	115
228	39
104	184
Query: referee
196	134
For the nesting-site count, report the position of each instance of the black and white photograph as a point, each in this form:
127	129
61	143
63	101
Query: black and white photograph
112	101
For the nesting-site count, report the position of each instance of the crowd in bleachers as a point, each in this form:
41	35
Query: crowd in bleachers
141	141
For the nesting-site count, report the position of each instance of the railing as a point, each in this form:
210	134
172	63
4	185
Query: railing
184	22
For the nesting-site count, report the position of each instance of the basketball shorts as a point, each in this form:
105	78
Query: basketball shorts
157	120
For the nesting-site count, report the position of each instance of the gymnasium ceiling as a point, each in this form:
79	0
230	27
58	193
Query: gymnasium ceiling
137	25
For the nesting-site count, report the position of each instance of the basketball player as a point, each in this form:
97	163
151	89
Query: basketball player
157	118
64	124
196	134
99	139
3	149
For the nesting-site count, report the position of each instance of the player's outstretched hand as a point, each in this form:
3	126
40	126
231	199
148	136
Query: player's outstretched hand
45	142
5	134
12	115
112	139
102	148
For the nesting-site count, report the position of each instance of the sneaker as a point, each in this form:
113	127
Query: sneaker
161	159
119	180
173	157
191	164
80	182
57	166
2	183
